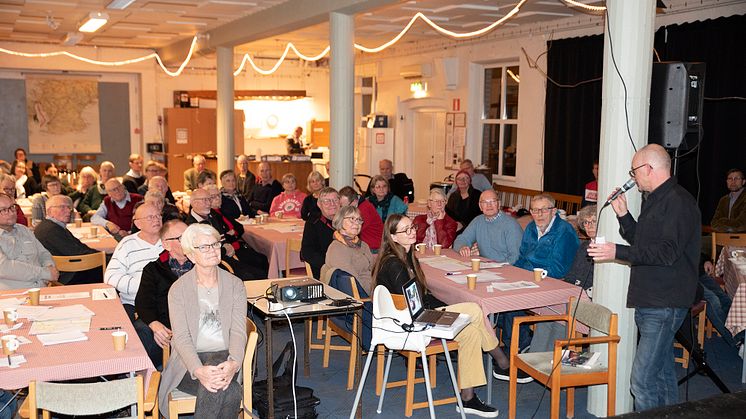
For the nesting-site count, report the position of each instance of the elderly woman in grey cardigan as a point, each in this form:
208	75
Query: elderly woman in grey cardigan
347	251
207	307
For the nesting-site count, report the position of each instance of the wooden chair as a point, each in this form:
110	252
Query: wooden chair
433	349
92	398
569	203
726	239
334	329
540	364
699	310
294	245
184	403
225	266
80	263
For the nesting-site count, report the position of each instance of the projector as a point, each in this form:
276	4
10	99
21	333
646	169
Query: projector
298	290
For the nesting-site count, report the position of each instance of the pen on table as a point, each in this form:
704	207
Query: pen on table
110	328
453	273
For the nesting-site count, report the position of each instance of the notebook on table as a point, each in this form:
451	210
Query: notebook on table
422	316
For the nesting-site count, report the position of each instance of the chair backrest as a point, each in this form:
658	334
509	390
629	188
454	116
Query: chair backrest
726	239
343	281
80	263
248	367
292	245
226	266
593	315
390	324
86	399
569	203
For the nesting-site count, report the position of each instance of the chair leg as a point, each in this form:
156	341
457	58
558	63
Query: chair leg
411	369
320	321
570	402
453	378
427	386
385	380
512	390
360	386
380	355
555	402
701	328
433	359
327	345
351	365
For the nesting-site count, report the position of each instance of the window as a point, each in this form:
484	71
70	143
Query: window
500	119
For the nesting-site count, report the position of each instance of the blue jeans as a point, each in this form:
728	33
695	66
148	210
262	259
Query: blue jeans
505	322
718	305
7	405
653	381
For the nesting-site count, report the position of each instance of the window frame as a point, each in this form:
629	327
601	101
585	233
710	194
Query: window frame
502	121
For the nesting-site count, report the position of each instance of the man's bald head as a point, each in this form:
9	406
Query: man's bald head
656	156
651	166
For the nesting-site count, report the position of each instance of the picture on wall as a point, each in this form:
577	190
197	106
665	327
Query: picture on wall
63	115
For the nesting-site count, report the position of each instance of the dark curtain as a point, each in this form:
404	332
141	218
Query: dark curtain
573	114
573	125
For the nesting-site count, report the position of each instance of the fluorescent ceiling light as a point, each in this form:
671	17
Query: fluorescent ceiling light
94	22
119	4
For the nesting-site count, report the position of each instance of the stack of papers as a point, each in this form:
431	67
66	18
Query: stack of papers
510	286
15	361
31	312
62	324
11	302
104	294
57	338
444	263
66	312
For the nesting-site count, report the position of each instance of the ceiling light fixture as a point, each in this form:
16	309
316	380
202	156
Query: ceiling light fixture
119	4
72	38
94	22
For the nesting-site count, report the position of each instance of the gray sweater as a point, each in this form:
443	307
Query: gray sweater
498	239
23	260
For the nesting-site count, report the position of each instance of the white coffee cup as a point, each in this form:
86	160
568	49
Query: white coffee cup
540	274
10	344
10	315
420	248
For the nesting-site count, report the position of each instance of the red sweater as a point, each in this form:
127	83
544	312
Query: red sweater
122	217
372	230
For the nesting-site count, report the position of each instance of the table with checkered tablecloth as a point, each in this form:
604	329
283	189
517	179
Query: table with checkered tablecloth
733	271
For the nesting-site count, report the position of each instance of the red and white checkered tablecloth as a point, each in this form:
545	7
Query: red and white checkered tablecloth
735	286
272	243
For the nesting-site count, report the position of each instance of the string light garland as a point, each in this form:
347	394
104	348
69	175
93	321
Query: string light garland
585	7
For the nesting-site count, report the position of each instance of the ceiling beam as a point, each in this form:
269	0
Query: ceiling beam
283	18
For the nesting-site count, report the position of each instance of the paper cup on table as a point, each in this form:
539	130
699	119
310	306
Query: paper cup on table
10	315
436	249
94	232
120	340
78	222
33	296
475	264
471	281
10	344
420	248
540	274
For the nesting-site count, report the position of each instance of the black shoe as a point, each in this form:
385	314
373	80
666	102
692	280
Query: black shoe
504	374
475	407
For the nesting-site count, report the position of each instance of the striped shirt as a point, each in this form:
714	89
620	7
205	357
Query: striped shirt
126	265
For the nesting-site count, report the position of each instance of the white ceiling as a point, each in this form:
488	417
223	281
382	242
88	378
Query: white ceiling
158	23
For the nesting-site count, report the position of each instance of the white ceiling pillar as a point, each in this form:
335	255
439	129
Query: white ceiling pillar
225	108
341	98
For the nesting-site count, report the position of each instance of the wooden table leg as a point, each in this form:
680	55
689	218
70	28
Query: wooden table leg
270	373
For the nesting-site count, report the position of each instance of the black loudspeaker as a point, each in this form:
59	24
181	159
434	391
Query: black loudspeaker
676	94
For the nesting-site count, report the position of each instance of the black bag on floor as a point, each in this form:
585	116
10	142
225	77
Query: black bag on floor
283	392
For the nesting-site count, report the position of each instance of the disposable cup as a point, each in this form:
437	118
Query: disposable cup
10	344
10	315
436	249
471	281
475	264
33	296
120	340
540	274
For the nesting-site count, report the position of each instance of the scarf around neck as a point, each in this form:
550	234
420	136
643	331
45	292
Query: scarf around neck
348	241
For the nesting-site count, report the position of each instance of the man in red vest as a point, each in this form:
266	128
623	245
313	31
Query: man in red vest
116	211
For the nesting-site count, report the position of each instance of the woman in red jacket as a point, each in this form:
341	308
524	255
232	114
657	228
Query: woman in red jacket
436	227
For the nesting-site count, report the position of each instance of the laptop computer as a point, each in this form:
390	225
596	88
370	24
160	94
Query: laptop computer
422	316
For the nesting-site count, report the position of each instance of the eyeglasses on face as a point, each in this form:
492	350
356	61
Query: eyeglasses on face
9	191
152	217
488	202
632	171
356	220
329	201
8	210
204	248
172	238
62	206
537	211
436	201
590	222
408	230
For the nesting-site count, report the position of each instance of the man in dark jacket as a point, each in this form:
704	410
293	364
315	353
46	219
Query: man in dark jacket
318	232
664	246
53	234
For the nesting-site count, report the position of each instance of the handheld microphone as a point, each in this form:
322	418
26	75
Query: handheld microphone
627	186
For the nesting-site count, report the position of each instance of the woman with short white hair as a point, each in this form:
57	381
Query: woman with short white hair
207	308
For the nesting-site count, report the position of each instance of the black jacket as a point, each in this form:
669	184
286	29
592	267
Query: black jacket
262	195
393	274
151	302
664	248
61	242
318	234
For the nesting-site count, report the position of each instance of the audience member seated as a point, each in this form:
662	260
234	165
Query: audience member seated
190	175
132	254
314	185
159	184
134	177
151	301
8	186
246	262
245	180
289	202
372	224
168	210
347	252
156	169
233	204
730	214
550	243
53	234
590	194
86	180
318	232
25	185
435	227
396	265
95	195
718	305
295	142
264	191
21	266
115	213
207	308
51	186
206	178
386	203
478	180
31	167
399	184
496	234
463	203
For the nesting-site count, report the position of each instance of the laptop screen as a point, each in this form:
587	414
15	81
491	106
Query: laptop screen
412	295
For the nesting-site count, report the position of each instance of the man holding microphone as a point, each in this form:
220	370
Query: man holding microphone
664	255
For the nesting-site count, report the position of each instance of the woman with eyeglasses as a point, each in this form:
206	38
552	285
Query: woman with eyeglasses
463	203
310	208
581	272
207	309
436	227
384	200
347	251
396	265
